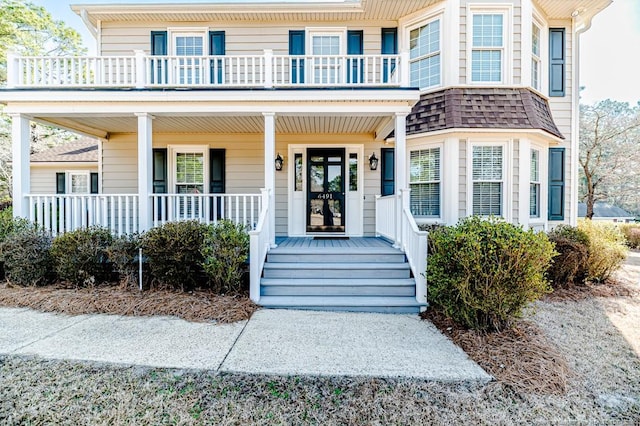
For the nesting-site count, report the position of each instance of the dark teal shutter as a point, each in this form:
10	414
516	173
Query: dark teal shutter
216	179
61	184
159	170
389	46
94	183
355	47
388	171
557	62
297	48
217	47
556	183
159	48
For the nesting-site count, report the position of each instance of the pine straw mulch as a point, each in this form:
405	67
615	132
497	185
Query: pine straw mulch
521	357
198	306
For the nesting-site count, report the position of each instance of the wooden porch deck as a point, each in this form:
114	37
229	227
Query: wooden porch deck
347	243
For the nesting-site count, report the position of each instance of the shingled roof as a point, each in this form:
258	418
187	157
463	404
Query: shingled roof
481	108
604	210
83	150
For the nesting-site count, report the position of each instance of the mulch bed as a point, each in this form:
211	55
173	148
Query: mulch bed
521	357
576	293
199	306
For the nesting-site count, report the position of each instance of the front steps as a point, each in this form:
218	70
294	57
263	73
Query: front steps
347	278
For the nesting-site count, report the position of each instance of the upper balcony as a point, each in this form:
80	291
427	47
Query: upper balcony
142	71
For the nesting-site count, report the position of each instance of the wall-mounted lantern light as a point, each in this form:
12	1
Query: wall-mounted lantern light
279	162
373	162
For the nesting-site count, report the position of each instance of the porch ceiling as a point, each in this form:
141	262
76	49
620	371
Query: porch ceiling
321	124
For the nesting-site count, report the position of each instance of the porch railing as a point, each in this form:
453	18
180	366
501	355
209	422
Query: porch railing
259	245
266	70
207	208
395	222
67	212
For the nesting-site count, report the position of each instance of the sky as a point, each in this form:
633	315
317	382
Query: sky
610	49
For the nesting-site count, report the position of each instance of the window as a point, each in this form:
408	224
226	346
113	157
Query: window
534	184
298	173
424	55
487	52
189	172
326	48
189	69
78	183
487	177
425	182
535	57
353	171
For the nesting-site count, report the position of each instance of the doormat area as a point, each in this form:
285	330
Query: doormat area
330	238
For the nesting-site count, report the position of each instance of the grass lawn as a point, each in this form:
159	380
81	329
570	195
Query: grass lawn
580	364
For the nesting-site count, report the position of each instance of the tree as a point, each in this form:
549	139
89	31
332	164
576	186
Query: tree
609	154
28	29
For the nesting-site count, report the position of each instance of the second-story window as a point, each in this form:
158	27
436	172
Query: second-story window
487	47
189	46
424	55
325	47
535	57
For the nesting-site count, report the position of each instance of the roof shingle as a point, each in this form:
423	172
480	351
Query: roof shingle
83	150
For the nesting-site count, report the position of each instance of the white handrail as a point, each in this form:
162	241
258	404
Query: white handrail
259	247
386	213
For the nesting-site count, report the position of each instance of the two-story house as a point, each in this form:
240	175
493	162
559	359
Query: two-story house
315	119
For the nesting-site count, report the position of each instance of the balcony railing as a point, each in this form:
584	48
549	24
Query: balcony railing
267	70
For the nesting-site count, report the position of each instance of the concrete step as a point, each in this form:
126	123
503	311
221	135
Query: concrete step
336	270
344	303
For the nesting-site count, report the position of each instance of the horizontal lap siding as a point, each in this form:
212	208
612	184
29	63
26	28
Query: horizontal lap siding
462	179
43	178
516	193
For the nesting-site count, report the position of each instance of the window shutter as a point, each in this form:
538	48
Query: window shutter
556	61
389	46
93	184
61	184
388	171
216	171
159	48
159	170
556	183
296	47
217	46
355	47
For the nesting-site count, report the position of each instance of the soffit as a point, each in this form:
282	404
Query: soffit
226	124
276	11
563	9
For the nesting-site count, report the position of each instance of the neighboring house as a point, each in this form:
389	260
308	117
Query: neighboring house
303	118
70	168
606	212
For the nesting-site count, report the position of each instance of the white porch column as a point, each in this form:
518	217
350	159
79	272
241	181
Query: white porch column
269	170
401	172
21	142
145	169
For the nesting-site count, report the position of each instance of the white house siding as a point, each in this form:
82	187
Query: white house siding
462	180
516	193
43	177
122	38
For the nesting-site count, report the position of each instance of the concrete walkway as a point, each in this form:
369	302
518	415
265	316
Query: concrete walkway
282	342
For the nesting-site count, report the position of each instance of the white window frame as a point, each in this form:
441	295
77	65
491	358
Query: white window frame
341	32
421	147
69	178
536	59
407	37
506	176
507	45
174	33
188	149
543	149
543	84
537	182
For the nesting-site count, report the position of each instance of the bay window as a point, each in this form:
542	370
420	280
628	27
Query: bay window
487	47
487	176
425	55
424	181
534	185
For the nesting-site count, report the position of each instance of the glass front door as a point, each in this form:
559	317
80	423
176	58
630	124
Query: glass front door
325	207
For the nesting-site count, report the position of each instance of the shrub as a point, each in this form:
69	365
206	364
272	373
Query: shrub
173	253
27	259
483	273
81	256
631	234
570	265
8	226
123	254
606	249
225	251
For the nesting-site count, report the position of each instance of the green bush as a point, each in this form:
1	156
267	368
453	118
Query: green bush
8	226
607	249
123	254
631	234
570	266
173	253
81	256
27	259
483	273
225	251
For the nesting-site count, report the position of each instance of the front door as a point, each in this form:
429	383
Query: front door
325	190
